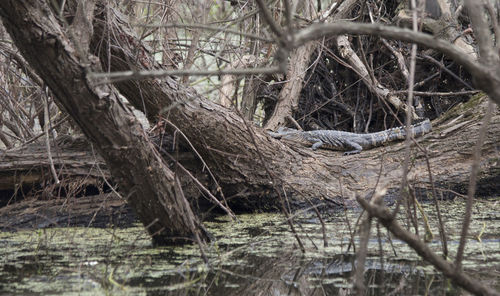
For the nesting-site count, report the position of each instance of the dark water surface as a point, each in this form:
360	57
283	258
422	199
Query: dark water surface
258	255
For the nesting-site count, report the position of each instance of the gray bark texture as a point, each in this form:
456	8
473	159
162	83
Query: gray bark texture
62	62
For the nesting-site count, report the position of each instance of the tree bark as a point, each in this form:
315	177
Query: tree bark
78	165
288	99
97	211
29	166
62	62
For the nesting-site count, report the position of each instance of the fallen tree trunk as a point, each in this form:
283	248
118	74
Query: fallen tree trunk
449	148
240	155
29	165
102	210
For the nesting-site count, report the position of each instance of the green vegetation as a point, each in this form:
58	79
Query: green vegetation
92	261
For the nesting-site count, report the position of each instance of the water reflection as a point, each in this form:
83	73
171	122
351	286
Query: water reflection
256	256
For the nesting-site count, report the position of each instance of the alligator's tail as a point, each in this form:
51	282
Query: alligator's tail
416	130
398	133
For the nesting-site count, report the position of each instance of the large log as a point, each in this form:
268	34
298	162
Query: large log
449	148
29	165
241	155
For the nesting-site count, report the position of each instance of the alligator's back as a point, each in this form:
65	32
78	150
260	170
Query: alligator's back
351	142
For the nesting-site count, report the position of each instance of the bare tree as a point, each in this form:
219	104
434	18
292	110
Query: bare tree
151	188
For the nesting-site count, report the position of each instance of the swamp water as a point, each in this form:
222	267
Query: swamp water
258	255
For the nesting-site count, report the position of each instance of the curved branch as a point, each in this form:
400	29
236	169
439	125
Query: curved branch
317	31
269	18
486	76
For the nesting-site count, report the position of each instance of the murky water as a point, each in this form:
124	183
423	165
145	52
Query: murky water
258	255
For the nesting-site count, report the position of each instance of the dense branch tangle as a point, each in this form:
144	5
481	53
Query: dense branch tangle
228	144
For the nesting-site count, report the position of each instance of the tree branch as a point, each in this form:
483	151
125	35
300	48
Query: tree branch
317	31
486	77
460	278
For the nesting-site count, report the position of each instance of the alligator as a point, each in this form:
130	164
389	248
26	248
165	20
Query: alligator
352	143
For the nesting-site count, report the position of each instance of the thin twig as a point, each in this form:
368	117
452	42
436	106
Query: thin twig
47	140
438	94
113	77
442	232
403	189
269	18
53	126
472	183
205	27
463	280
226	208
194	228
202	187
443	67
251	133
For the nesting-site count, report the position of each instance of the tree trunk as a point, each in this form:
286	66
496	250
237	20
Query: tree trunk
62	62
30	165
77	165
288	99
97	211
